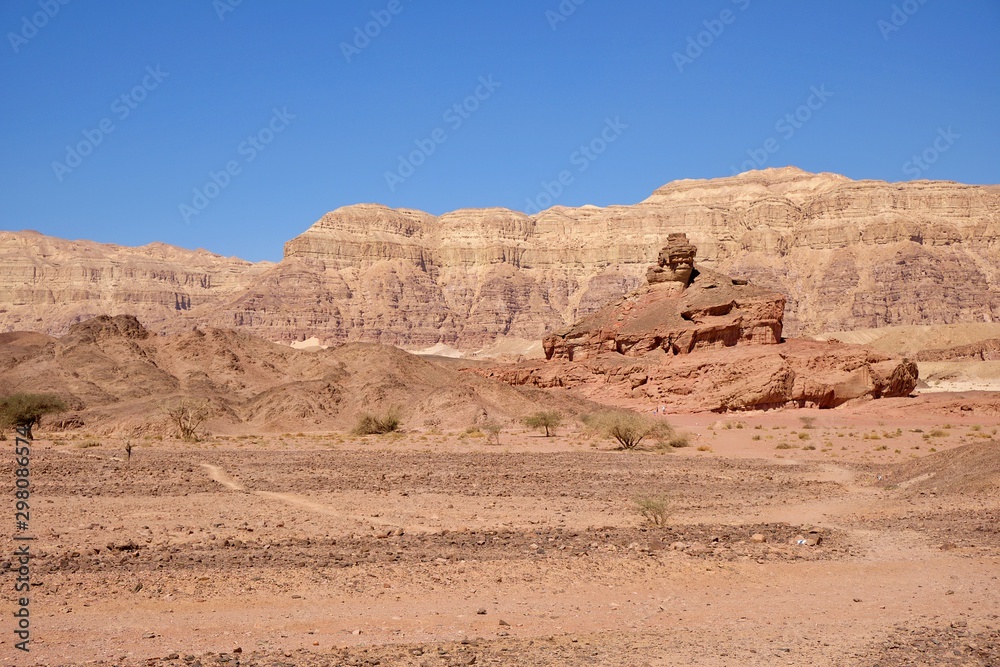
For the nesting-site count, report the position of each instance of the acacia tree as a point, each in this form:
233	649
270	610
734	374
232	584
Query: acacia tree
25	411
627	428
493	428
187	414
547	420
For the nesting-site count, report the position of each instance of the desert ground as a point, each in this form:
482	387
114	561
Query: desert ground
863	535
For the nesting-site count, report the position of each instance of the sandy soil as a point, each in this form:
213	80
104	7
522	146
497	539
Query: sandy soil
433	548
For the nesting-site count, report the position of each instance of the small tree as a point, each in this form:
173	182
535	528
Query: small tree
25	411
493	428
628	429
547	420
187	414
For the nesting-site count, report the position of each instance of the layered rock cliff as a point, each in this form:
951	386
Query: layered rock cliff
845	254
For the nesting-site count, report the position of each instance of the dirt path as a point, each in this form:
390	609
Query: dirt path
220	476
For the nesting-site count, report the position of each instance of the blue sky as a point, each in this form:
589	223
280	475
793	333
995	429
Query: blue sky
233	126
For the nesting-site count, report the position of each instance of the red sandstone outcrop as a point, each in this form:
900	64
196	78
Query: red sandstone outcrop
683	308
845	254
698	340
796	373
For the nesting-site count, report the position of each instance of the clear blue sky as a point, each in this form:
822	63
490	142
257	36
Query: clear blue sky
889	91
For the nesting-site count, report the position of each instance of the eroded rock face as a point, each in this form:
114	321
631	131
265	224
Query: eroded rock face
675	262
845	254
702	341
797	373
682	309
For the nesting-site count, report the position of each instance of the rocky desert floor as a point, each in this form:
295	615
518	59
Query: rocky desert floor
865	535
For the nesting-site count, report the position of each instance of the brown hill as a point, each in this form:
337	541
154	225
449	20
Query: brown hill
969	469
845	254
114	373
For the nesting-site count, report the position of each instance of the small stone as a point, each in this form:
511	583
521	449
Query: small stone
481	611
504	623
148	635
757	537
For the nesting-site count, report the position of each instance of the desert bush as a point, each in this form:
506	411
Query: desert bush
655	509
25	411
493	429
803	436
808	422
546	420
679	440
372	424
187	415
628	429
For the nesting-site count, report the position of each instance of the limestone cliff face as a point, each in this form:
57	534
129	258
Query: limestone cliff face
845	254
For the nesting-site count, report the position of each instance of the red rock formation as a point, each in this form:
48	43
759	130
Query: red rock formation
698	340
682	309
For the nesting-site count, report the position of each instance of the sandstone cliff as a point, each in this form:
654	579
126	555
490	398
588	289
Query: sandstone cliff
845	254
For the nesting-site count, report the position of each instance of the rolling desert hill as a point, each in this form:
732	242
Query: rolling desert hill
845	254
114	374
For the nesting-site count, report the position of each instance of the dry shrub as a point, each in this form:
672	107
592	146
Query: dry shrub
372	424
655	509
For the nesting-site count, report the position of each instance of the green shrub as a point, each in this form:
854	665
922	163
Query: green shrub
628	428
546	420
25	411
493	429
655	509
